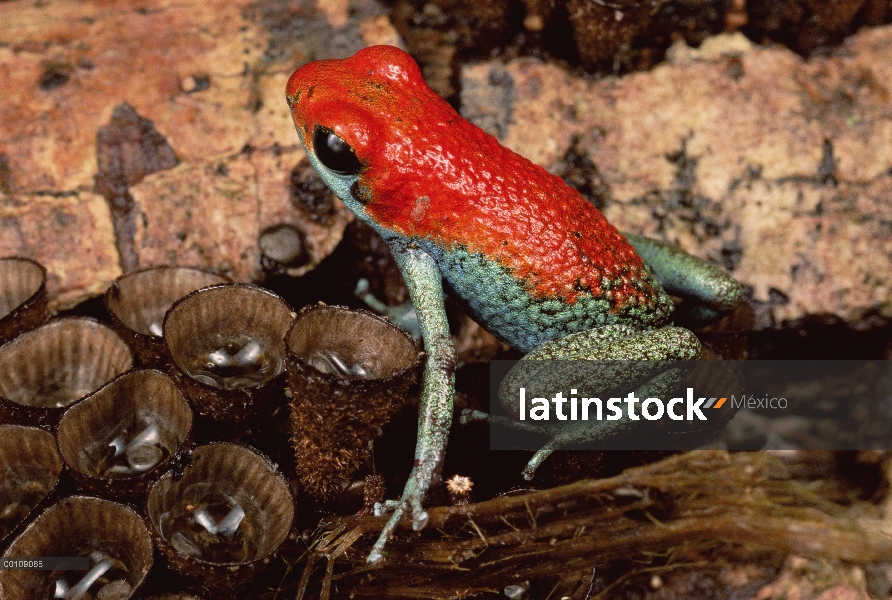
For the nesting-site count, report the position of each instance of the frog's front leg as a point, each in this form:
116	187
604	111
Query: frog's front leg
422	277
708	289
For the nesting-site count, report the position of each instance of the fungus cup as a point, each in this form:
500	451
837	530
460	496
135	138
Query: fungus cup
119	440
227	347
112	535
23	296
223	520
137	302
45	370
349	372
31	467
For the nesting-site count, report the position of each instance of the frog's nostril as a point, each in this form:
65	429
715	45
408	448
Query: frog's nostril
334	152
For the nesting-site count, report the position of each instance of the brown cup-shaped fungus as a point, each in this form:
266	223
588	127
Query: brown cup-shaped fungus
120	439
349	371
138	301
30	467
45	370
23	296
227	346
222	521
181	596
112	535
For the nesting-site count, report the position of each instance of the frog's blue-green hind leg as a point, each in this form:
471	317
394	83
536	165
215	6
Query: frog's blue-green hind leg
423	278
584	432
613	343
708	290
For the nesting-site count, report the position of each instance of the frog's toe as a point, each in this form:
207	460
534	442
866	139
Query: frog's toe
377	553
410	501
473	416
413	499
539	457
362	287
382	508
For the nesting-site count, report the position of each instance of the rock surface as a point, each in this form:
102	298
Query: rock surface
205	79
69	233
209	214
776	167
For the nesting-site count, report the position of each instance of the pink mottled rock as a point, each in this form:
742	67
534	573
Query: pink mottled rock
70	234
204	77
776	167
67	64
212	215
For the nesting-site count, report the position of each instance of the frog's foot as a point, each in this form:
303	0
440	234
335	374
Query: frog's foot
377	553
631	360
476	416
413	496
539	457
473	416
382	508
403	315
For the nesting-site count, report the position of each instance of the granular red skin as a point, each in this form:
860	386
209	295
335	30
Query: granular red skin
429	173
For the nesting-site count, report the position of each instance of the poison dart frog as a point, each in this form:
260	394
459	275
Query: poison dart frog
533	261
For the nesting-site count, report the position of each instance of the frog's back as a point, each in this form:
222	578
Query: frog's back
530	257
509	307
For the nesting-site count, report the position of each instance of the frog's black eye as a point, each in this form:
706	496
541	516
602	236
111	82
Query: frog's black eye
334	152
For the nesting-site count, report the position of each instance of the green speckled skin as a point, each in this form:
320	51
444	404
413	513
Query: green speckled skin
506	308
